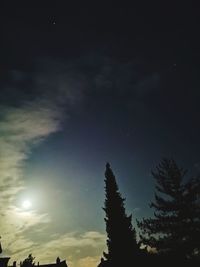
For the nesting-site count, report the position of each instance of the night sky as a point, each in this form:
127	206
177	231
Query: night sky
81	85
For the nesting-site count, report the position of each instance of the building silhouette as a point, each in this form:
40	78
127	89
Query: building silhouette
5	259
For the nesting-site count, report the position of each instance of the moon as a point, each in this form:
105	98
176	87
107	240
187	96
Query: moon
26	204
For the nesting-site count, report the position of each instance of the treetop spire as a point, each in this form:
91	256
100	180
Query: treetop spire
107	165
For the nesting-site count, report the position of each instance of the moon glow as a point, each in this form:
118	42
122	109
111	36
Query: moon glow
26	204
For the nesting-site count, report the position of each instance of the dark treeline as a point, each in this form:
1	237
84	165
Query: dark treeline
171	236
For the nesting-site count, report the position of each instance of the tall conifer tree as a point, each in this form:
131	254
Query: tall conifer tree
121	236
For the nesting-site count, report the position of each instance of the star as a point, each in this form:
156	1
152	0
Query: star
52	20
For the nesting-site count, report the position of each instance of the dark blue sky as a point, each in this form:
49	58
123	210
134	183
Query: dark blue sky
84	85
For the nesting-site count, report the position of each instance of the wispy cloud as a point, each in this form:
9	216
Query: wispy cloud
88	261
21	128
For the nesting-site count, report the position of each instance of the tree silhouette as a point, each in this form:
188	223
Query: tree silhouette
174	230
121	236
28	262
192	213
0	247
